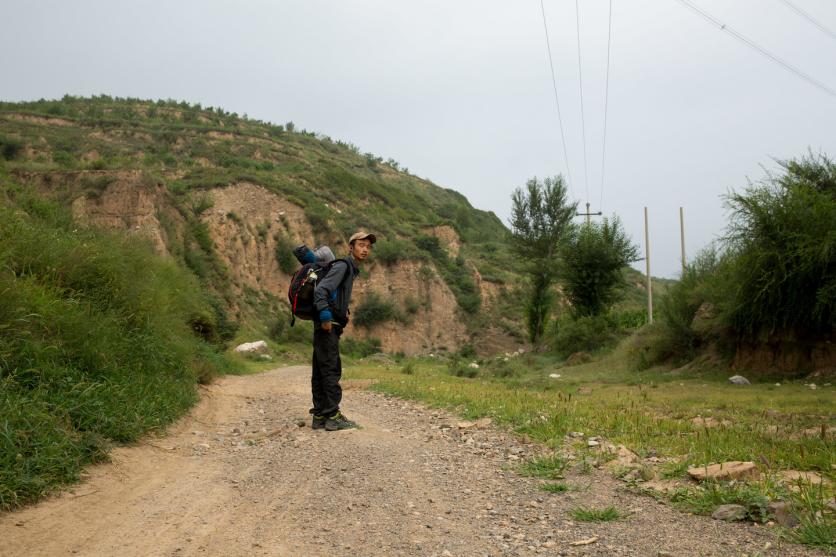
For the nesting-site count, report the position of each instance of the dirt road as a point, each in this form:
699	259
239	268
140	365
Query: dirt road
239	476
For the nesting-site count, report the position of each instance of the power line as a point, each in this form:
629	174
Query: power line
606	105
580	85
810	18
758	48
557	101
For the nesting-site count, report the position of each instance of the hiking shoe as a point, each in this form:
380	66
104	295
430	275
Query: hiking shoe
318	422
339	421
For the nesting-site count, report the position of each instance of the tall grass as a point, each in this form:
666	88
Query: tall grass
96	344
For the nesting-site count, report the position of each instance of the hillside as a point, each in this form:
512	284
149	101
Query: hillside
228	197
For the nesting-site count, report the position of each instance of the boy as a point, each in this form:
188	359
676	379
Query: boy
332	297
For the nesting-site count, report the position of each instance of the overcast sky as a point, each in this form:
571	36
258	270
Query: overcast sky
460	92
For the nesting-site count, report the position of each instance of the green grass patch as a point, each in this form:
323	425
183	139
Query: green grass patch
588	514
557	487
550	467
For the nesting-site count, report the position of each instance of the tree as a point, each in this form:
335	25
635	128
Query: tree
783	242
594	257
540	218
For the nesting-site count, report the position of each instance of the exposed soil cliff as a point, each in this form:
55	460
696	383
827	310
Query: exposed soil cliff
247	224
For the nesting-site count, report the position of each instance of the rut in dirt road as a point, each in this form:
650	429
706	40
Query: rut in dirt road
239	476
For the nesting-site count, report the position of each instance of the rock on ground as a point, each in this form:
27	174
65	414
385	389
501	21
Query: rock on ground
732	470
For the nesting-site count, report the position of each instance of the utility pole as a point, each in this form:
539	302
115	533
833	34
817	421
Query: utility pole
682	236
647	261
587	214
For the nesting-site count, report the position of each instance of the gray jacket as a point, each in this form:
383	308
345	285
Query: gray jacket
333	291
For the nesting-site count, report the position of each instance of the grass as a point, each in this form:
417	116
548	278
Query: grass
551	467
650	412
98	344
558	487
588	514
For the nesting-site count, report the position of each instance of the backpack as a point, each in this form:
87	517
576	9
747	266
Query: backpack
300	293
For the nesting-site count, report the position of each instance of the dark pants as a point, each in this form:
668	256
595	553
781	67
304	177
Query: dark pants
327	370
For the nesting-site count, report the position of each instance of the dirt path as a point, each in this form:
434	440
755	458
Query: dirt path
240	477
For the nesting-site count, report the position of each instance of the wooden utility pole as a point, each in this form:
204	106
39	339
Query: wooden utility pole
647	261
587	214
682	236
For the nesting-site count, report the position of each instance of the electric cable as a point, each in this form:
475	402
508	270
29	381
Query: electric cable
752	44
580	85
606	106
557	101
810	18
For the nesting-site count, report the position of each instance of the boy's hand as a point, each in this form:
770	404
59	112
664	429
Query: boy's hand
325	318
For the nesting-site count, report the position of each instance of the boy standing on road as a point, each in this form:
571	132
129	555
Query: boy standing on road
331	299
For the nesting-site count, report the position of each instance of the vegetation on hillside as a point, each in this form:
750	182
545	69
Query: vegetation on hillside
100	342
771	279
189	148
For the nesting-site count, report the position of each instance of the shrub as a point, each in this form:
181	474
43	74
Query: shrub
9	148
595	256
584	334
373	310
782	238
391	251
360	348
284	254
461	368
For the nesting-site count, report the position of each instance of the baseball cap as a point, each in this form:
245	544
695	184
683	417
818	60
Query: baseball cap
362	236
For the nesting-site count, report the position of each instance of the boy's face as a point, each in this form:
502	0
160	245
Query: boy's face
361	249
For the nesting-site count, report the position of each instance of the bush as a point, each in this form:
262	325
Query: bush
373	310
284	254
9	148
595	256
460	368
360	348
391	251
584	334
782	239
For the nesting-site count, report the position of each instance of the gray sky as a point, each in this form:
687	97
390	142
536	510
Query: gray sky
460	92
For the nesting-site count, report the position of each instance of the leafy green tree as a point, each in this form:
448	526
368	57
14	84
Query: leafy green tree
594	257
782	238
541	216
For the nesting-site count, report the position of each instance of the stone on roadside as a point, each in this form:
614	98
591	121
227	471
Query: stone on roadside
732	470
729	513
738	380
709	422
781	511
794	478
483	422
623	457
257	346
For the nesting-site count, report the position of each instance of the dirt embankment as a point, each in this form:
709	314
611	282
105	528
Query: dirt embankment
241	477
